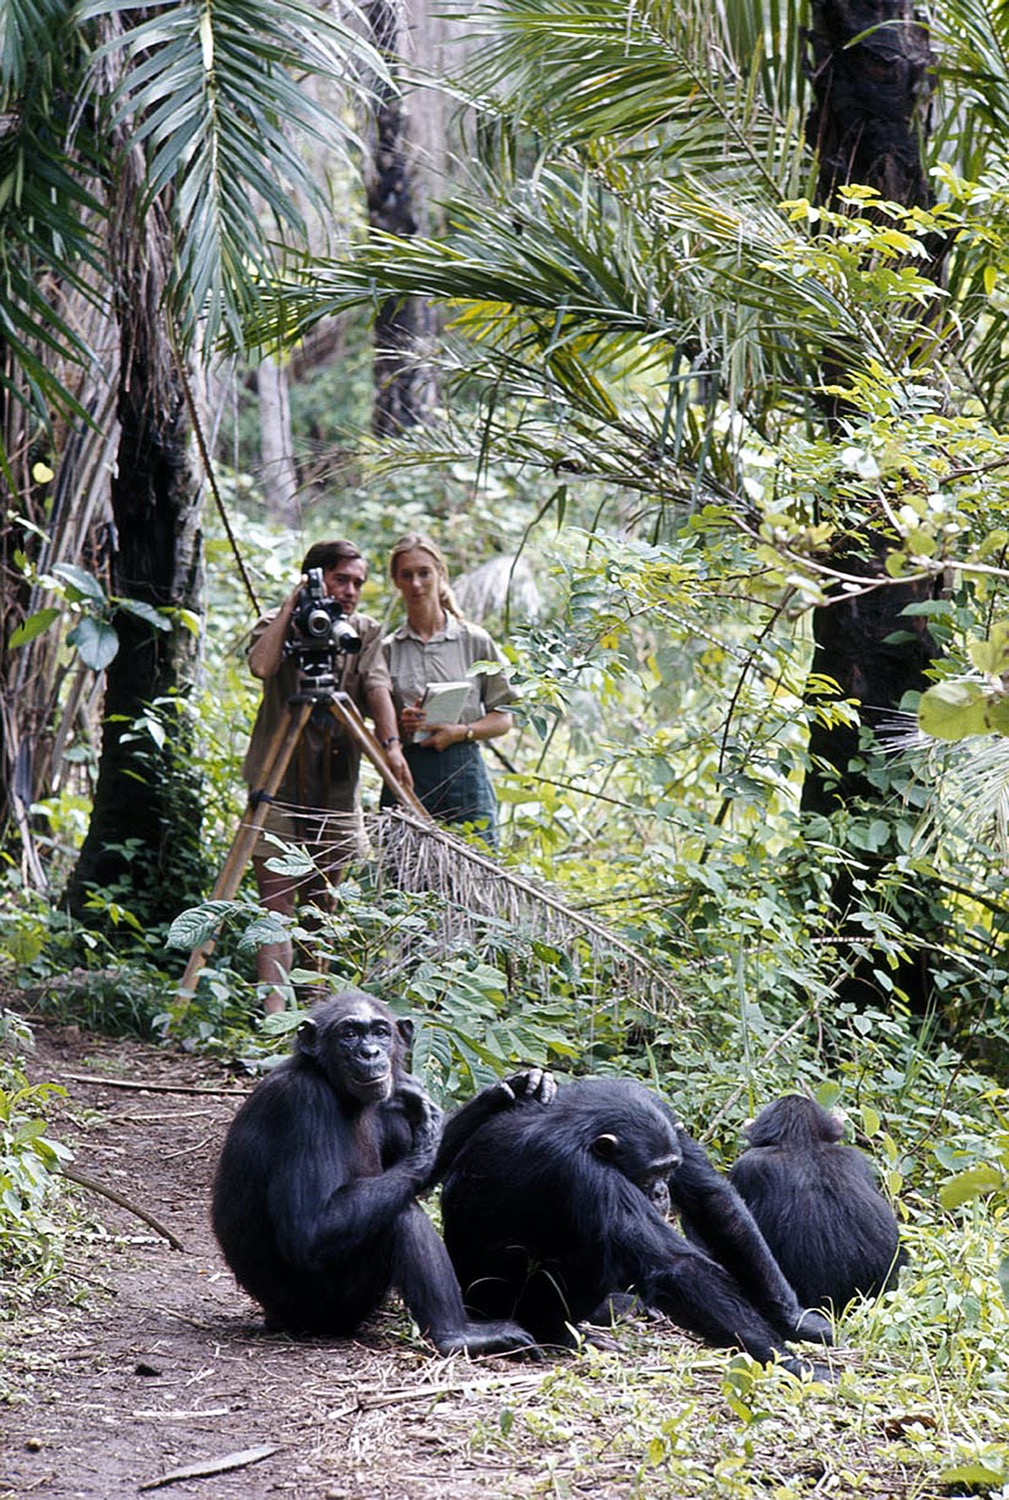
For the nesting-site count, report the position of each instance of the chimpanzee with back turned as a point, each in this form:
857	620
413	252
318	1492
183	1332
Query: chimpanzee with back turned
818	1204
315	1196
548	1210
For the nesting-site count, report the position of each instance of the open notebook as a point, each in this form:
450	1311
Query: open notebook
443	702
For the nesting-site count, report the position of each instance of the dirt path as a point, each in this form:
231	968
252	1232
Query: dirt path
163	1365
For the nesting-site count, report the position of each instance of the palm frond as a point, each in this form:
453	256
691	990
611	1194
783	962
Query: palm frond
480	893
973	38
674	84
216	99
48	204
969	792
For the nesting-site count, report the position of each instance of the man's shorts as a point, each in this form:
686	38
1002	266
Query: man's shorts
332	839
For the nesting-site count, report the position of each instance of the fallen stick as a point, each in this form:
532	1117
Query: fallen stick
212	1466
94	1186
366	1401
154	1088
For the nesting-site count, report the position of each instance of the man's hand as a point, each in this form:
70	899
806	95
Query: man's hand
398	766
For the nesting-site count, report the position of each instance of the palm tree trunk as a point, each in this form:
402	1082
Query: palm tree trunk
143	839
405	389
870	66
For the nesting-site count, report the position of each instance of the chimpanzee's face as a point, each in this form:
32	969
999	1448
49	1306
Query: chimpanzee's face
356	1042
362	1049
647	1152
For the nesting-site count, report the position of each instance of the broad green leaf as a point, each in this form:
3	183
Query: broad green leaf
966	1186
292	863
991	656
972	1477
144	611
198	923
953	710
1003	1277
997	714
80	580
96	642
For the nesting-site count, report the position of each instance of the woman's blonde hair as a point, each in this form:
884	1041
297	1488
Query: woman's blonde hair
417	541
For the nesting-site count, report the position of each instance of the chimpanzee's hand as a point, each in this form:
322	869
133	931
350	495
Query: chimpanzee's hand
410	1097
531	1084
424	1119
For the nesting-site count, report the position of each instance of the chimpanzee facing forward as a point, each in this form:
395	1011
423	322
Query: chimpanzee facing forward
314	1199
818	1204
547	1210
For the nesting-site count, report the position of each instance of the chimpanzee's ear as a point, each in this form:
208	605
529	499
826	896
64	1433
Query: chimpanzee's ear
605	1147
405	1028
307	1038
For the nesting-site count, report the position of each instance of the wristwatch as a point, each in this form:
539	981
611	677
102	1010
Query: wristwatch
470	735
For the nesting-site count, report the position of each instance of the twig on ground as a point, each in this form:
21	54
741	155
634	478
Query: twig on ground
153	1088
94	1186
213	1466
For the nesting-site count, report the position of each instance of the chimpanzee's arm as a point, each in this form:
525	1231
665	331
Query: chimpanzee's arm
714	1216
530	1086
693	1288
328	1204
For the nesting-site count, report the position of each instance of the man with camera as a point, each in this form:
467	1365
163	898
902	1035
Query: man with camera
316	641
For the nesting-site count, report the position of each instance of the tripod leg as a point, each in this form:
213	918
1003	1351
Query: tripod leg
278	757
346	711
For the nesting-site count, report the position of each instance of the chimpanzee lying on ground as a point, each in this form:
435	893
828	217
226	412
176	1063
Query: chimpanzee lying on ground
315	1194
817	1203
552	1203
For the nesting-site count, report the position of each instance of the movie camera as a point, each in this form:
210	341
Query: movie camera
319	634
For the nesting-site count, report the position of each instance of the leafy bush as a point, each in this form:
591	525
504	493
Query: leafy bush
30	1241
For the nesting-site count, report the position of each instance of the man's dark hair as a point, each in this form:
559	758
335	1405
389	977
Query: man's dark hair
326	555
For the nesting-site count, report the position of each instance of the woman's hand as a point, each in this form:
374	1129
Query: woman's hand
412	718
440	736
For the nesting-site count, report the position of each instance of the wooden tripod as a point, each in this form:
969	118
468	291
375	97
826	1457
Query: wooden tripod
300	707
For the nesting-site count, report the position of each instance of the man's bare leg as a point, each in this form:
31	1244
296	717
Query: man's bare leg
274	960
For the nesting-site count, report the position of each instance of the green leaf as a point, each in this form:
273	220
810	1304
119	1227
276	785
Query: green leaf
35	625
291	863
997	714
198	923
977	1182
265	929
991	656
84	584
1003	1277
953	710
144	611
96	642
972	1476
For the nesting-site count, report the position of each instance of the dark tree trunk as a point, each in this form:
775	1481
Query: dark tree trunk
143	840
405	390
16	542
871	109
867	125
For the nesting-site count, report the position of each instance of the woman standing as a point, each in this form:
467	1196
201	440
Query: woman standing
436	644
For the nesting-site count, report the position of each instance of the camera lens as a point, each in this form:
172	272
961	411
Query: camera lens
317	623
